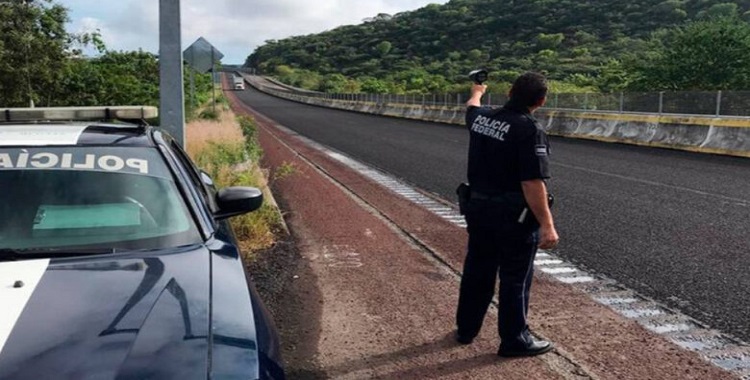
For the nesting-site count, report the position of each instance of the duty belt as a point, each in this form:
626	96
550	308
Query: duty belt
501	197
507	196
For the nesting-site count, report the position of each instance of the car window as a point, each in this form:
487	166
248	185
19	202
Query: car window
111	198
196	177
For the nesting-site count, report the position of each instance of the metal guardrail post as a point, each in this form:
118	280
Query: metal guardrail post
489	99
622	101
422	100
718	103
458	100
556	99
586	101
661	102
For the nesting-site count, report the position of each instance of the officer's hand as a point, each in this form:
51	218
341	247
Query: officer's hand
548	237
478	88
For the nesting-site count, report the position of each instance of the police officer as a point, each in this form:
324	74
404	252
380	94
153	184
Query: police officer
507	214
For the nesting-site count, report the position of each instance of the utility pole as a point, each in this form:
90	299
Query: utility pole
171	92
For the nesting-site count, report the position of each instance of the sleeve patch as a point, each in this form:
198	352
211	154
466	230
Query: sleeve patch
541	150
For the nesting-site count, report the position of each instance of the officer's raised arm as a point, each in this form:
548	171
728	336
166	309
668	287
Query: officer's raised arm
477	90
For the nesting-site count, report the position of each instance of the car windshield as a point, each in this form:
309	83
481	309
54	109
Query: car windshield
89	199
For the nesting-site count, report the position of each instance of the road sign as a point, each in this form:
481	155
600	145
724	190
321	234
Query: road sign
201	55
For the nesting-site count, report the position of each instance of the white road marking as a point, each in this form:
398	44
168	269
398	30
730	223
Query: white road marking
615	300
640	313
667	328
559	270
576	279
548	262
744	202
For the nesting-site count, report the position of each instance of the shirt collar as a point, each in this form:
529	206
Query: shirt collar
515	106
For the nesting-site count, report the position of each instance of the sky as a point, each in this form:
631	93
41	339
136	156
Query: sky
234	27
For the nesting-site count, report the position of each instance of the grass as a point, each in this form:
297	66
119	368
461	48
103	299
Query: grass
227	149
284	170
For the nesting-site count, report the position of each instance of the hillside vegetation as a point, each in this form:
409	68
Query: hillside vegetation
603	45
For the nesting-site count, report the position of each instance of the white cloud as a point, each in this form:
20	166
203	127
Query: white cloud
235	27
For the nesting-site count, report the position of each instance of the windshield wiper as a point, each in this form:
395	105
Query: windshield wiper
10	254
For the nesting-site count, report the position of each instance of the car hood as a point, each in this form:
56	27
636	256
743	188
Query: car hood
125	316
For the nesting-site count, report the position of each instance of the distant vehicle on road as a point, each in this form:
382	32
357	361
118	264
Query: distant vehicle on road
239	82
117	259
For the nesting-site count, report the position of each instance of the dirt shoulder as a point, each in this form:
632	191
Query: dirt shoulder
366	287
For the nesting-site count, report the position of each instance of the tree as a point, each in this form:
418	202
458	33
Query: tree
477	56
383	48
373	86
33	44
703	55
549	41
333	83
722	10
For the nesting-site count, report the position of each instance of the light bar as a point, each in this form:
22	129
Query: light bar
79	113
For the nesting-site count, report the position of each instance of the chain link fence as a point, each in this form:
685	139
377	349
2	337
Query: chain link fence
706	103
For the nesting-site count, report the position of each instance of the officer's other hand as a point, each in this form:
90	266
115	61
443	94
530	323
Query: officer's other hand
548	237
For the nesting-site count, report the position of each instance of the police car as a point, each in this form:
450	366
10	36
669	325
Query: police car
116	258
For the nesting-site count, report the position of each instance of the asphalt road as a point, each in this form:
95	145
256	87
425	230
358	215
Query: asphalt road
675	226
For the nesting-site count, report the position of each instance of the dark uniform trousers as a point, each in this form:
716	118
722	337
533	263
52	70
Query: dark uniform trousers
498	246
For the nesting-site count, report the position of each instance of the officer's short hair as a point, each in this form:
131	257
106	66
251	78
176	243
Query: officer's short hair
529	89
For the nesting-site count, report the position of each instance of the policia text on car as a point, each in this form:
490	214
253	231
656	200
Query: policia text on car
507	212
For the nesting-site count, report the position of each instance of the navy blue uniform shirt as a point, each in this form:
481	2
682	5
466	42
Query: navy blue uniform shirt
506	146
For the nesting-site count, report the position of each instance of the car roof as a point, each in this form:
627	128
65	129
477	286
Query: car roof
78	134
77	126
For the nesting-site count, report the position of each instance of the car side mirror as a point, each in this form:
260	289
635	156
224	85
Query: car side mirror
233	201
206	179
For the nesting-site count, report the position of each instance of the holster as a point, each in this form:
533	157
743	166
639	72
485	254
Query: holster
464	194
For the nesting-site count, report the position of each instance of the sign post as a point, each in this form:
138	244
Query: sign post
171	93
